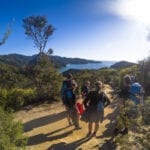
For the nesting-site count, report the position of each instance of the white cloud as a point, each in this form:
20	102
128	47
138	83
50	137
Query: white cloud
137	10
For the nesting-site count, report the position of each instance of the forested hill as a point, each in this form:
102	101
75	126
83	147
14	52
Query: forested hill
122	64
21	60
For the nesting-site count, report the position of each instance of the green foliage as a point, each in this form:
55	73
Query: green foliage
107	76
45	78
6	35
23	86
137	121
15	60
3	97
134	141
16	98
146	111
11	132
38	30
8	76
130	116
12	77
122	120
144	74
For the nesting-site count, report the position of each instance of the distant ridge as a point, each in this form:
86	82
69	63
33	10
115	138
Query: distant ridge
58	61
122	64
15	59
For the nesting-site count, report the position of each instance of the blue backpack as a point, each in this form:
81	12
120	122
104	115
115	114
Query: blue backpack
100	106
69	94
103	102
135	92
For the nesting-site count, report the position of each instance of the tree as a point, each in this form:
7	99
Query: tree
42	72
46	79
6	34
38	30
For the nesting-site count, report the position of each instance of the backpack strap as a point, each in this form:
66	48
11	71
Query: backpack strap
105	99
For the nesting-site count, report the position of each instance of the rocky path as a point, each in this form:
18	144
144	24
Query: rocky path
47	128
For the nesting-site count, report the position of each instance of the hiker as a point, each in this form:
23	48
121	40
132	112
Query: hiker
69	100
124	93
94	103
131	91
85	89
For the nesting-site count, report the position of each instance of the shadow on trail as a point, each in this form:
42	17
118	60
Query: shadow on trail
69	146
28	126
106	145
108	134
41	138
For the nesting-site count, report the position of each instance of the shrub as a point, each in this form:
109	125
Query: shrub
138	122
146	112
16	98
11	132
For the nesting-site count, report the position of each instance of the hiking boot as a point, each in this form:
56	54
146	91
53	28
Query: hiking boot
78	128
124	131
116	131
70	124
89	134
94	134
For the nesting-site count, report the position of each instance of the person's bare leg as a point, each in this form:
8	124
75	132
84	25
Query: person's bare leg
96	128
68	116
89	128
69	119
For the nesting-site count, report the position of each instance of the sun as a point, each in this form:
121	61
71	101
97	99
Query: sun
138	10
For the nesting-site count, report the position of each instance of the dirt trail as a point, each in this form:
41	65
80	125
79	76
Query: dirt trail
47	128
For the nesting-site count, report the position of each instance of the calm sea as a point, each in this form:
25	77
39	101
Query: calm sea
87	66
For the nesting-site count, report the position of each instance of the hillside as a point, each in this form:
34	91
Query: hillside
21	60
15	59
122	64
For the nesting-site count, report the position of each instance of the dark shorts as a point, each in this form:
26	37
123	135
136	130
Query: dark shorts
95	115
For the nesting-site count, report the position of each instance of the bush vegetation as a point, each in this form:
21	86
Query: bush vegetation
138	122
11	132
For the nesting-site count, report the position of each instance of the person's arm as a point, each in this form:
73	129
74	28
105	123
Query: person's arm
74	85
106	100
86	101
77	107
63	88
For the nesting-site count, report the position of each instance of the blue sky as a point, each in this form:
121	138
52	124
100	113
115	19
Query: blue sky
91	29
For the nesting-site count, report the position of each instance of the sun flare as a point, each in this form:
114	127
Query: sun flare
138	10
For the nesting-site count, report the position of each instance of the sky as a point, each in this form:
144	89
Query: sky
92	29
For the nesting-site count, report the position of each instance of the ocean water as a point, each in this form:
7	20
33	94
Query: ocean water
87	66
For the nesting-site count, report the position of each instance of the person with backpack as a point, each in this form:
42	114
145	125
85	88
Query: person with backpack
69	100
136	93
131	91
94	104
124	92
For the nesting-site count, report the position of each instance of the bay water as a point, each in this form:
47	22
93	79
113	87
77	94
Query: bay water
99	65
